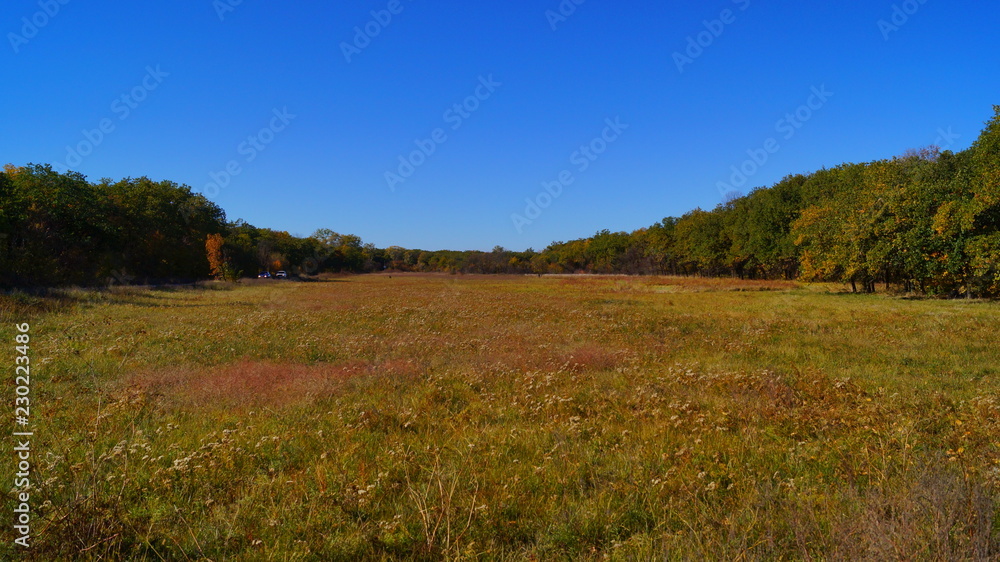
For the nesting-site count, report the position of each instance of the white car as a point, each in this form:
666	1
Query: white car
280	275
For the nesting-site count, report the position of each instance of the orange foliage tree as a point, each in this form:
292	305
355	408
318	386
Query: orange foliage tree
213	248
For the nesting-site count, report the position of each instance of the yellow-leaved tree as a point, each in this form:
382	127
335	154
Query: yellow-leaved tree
213	248
217	261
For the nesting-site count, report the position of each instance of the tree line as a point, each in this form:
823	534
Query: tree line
58	229
927	221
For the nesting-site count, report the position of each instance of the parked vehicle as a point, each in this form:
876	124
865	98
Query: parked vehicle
281	275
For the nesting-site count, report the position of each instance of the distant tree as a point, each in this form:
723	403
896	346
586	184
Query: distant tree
760	230
160	226
660	247
266	256
836	232
345	251
56	228
213	251
702	242
606	250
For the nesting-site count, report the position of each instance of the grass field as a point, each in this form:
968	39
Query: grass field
464	417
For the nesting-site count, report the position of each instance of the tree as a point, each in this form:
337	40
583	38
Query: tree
660	247
159	227
836	231
702	242
216	260
267	258
760	230
56	232
345	251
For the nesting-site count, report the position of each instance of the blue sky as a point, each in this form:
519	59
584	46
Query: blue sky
183	93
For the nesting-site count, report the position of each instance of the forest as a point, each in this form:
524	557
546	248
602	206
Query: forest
925	222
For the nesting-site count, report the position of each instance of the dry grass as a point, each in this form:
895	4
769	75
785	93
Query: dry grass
450	417
249	383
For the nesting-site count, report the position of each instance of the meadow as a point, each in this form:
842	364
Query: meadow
458	417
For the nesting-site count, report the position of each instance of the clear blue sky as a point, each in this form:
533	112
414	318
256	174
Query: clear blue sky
352	120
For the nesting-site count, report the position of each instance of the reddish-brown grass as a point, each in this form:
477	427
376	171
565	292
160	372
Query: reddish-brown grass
591	357
258	383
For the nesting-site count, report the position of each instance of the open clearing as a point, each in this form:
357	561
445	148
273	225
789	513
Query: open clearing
430	417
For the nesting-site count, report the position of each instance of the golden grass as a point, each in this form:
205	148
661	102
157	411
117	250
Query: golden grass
244	383
458	417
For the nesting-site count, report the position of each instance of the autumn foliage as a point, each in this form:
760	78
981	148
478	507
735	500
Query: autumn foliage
213	249
925	222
